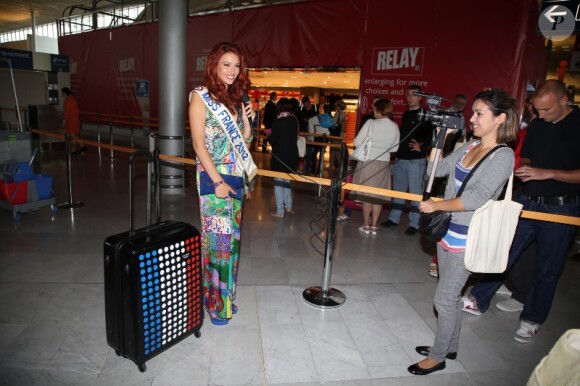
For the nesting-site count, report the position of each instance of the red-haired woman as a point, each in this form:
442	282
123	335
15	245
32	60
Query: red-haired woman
221	132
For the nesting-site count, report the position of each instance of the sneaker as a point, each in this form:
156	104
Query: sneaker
388	224
433	270
470	305
510	305
526	332
503	290
343	217
290	211
365	229
410	231
275	214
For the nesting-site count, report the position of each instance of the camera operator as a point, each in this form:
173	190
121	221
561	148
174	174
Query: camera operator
458	105
409	167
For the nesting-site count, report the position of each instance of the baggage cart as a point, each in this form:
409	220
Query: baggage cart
22	191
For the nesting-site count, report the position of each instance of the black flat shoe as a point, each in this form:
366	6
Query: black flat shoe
425	350
416	370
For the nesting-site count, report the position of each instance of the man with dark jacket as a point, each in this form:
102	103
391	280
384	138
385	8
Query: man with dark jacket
269	116
411	163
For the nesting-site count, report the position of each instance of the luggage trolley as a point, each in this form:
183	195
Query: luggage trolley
22	191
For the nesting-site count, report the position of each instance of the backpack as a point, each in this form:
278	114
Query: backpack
325	120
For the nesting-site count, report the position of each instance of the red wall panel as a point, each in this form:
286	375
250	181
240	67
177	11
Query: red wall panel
446	46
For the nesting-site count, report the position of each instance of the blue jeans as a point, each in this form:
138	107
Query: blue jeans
407	177
552	243
283	195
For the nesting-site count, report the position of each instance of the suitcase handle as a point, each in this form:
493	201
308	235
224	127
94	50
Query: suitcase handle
152	168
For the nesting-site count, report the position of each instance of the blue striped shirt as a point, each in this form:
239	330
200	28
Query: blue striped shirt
456	236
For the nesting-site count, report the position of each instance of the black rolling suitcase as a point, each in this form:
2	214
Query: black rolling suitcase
152	282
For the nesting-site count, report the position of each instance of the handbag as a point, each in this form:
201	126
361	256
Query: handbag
235	182
301	142
491	232
362	152
433	226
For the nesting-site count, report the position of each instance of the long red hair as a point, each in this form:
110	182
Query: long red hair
231	95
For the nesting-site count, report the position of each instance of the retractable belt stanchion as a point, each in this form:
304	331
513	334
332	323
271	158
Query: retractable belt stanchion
111	142
343	161
70	204
324	296
321	162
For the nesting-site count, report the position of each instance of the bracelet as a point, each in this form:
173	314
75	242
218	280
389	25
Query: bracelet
216	184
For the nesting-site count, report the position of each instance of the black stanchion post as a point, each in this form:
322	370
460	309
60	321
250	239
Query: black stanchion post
131	128
324	296
343	160
70	204
111	151
321	161
99	133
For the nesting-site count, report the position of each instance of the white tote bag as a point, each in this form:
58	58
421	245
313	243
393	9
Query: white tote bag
490	234
301	142
362	152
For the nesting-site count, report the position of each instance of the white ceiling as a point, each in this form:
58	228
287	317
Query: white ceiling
16	14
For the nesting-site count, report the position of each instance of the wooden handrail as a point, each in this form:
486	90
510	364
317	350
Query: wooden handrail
569	220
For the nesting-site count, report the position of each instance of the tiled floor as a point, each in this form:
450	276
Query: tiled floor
52	329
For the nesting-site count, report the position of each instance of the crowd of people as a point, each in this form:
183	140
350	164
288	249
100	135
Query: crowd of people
546	161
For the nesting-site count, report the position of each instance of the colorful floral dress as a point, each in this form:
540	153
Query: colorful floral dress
220	226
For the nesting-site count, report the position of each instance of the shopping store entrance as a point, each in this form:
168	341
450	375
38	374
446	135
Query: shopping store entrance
334	83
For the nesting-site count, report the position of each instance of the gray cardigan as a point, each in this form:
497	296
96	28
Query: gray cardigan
486	183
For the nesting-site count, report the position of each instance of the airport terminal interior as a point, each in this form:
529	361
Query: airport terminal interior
52	280
52	323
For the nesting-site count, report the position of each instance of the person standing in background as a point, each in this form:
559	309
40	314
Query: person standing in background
384	137
338	120
71	120
550	171
269	116
284	154
307	111
409	167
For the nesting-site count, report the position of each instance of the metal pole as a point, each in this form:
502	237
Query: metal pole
131	127
18	120
439	143
99	132
172	78
70	204
111	151
321	162
343	160
324	296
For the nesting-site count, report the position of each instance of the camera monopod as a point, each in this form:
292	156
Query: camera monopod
436	150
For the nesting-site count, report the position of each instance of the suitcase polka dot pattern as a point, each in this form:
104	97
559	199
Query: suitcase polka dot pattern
170	297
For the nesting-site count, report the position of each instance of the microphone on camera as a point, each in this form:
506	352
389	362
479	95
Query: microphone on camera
246	99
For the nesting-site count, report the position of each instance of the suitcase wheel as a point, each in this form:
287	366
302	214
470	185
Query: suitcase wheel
142	367
197	333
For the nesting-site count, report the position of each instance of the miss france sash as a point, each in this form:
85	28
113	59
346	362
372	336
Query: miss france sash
232	131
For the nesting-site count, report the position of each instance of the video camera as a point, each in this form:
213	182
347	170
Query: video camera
440	118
